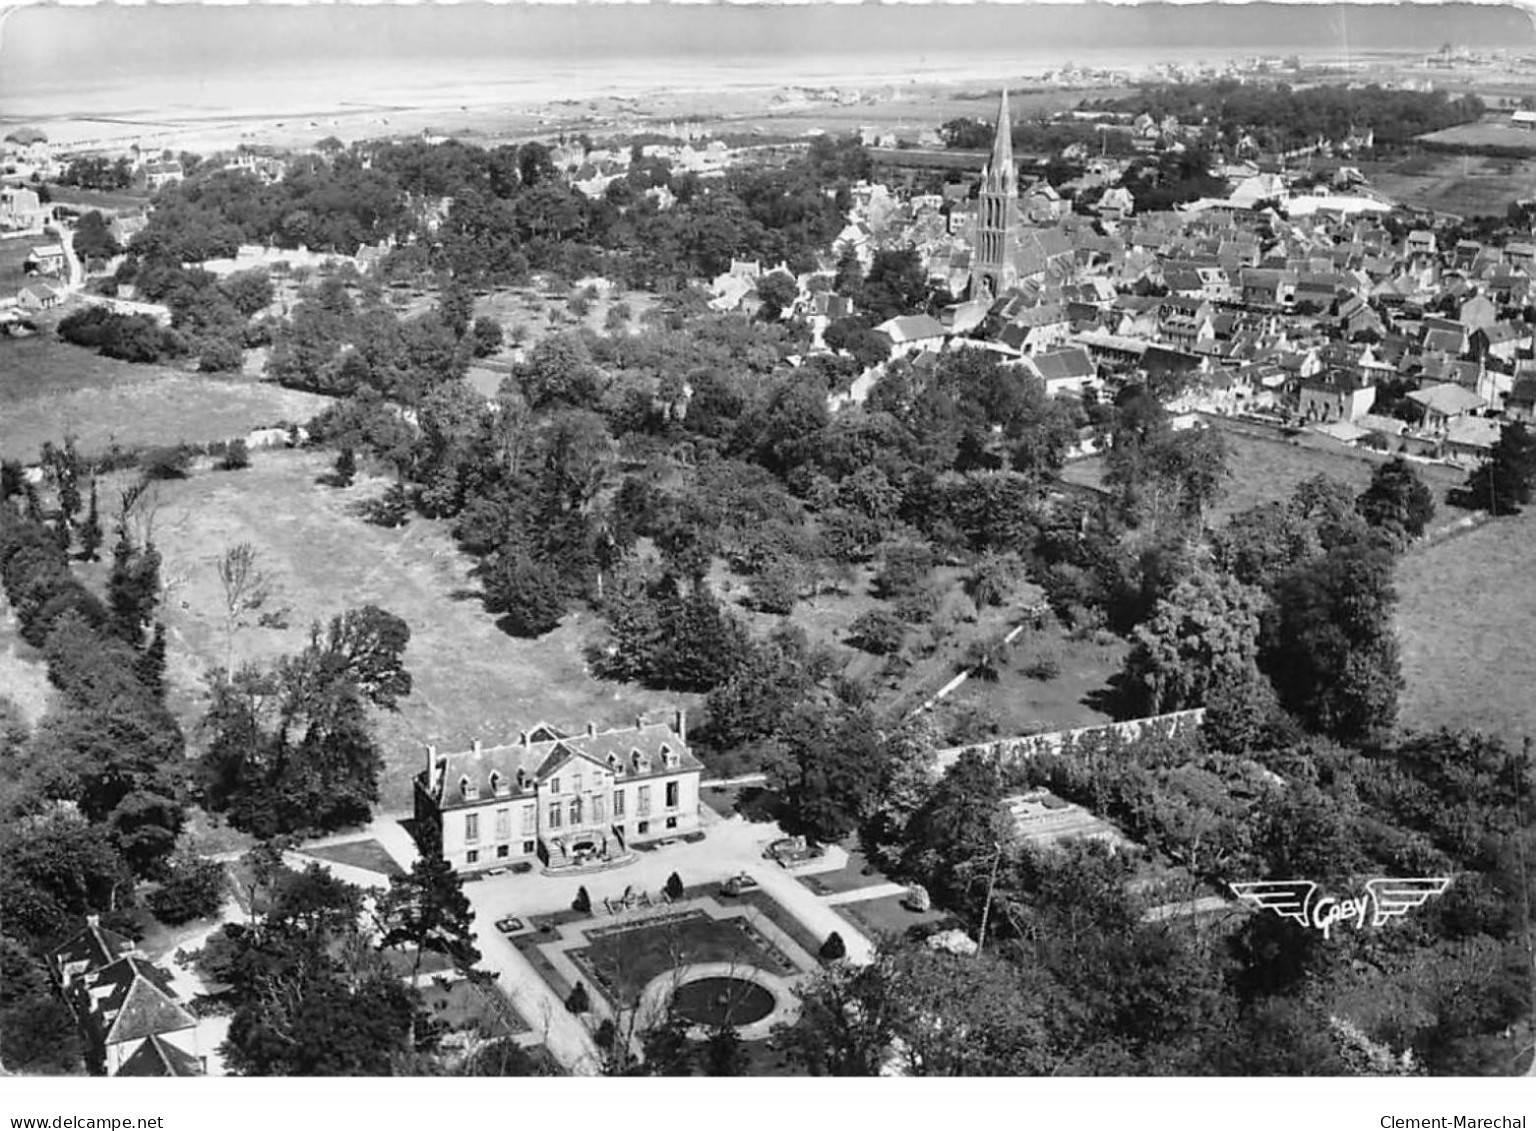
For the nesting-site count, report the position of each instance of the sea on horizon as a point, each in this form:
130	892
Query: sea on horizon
74	69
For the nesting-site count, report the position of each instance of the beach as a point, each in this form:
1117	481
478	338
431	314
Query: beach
205	78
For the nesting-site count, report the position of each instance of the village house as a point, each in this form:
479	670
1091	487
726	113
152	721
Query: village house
48	259
912	333
1443	403
563	800
21	210
1334	396
125	1006
39	297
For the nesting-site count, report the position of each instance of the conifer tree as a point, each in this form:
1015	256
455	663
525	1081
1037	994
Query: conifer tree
90	531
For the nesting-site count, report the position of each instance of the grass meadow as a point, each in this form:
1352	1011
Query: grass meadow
1465	622
49	389
1268	468
1462	185
472	681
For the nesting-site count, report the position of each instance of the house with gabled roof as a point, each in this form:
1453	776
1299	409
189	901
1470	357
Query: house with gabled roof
123	1005
157	1056
565	800
90	950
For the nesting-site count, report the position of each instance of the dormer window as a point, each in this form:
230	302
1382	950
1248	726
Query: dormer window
522	780
616	764
499	784
640	762
668	756
468	789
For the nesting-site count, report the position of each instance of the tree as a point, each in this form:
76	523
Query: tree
488	336
37	1034
90	530
237	456
1397	500
366	647
578	1001
308	992
246	589
1203	635
133	587
193	889
833	948
290	748
674	888
426	910
1504	482
528	593
724	1054
777	291
1328	644
878	631
345	469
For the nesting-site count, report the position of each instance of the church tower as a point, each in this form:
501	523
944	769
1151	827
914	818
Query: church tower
995	242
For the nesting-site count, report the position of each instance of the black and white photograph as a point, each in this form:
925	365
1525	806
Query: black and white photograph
684	540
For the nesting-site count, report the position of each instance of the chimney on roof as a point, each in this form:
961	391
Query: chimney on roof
431	759
639	722
680	723
476	746
591	730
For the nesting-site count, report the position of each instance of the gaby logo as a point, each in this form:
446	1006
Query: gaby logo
1383	899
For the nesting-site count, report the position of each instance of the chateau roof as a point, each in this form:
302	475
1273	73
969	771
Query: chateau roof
483	773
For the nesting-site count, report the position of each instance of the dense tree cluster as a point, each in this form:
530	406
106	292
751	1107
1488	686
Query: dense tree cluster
1283	117
290	747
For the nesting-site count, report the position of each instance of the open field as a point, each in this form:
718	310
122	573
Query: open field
1267	469
49	388
125	200
1493	129
472	680
1463	186
1078	696
1465	624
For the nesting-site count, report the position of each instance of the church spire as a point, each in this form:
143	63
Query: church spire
994	244
1002	175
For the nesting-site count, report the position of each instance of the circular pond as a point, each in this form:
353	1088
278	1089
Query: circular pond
723	1001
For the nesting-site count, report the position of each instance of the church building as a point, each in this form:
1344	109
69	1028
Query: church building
559	799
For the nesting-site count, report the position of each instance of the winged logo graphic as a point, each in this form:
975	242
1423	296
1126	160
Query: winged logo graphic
1392	898
1289	899
1297	900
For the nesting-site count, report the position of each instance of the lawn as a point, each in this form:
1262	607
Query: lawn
1266	468
885	917
1465	623
472	1006
623	961
369	855
49	389
856	874
471	679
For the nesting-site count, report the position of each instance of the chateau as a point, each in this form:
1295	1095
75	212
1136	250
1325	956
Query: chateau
561	799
